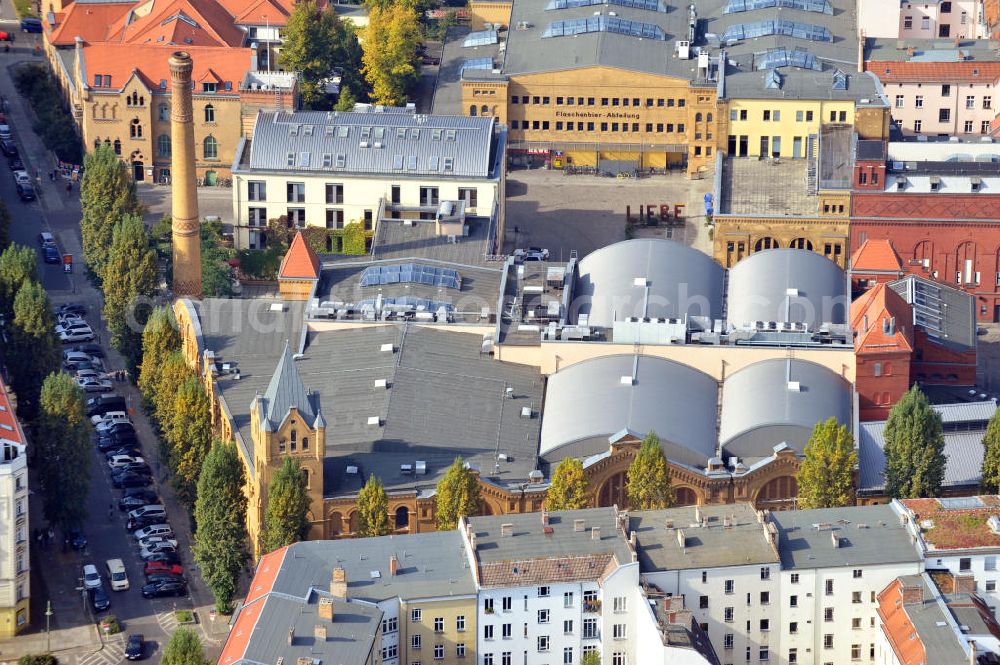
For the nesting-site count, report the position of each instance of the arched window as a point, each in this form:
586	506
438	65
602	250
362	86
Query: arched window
885	399
484	110
697	117
708	117
211	147
295	440
765	243
887	369
142	101
135	129
472	110
305	477
801	243
209	113
97	143
163	145
118	147
305	443
878	369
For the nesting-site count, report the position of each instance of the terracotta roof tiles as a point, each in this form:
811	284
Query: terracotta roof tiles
879	304
907	72
876	255
532	571
90	22
300	262
150	63
10	429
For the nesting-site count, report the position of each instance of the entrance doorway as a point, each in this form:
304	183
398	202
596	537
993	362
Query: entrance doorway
210	178
138	172
797	147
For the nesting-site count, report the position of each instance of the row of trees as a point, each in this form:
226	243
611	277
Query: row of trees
49	403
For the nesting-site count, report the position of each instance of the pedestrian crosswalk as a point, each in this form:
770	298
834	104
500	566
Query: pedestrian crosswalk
113	653
167	621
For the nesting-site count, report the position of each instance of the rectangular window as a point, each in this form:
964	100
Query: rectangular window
543	642
296	192
855	652
415	615
764	654
618	631
917	125
793	655
703	602
828	641
438	624
208	86
765	625
798	116
568	627
568	656
460	650
543	616
965	564
507	603
488	606
729	586
855	597
765	573
987	102
907	23
415	641
728	614
257	216
794	578
793	628
856	573
968	127
984	127
944	115
568	599
765	597
256	190
991	585
793	601
334	193
727	641
829	587
438	651
856	623
505	631
505	658
767	115
589	628
296	217
471	198
970	102
828	614
919	101
945	90
619	604
618	658
488	659
899	101
488	632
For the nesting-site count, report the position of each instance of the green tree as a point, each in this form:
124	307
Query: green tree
33	352
346	100
129	274
17	266
991	456
160	338
62	452
174	372
826	475
373	509
389	52
317	45
914	448
4	226
44	659
591	658
220	513
286	517
184	648
648	478
216	273
107	194
568	490
189	437
457	495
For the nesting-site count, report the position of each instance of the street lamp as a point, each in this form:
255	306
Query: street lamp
48	616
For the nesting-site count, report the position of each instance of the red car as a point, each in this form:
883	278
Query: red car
157	567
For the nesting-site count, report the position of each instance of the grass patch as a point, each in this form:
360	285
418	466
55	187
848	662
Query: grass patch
25	8
53	122
184	616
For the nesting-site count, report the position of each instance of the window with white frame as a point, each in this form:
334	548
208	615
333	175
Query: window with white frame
543	591
508	602
618	631
488	605
727	641
415	641
488	632
438	651
543	642
568	627
728	614
765	573
729	586
618	658
543	616
415	615
460	650
568	599
438	624
505	631
390	625
390	651
460	623
619	604
590	628
505	658
567	655
487	659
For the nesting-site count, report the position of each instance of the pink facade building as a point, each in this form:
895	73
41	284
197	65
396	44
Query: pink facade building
930	19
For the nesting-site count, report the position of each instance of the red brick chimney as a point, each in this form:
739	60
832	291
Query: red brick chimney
393	565
913	594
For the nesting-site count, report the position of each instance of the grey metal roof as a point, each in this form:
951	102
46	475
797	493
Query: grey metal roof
285	391
880	538
430	565
588	402
383	143
963	450
934	625
711	546
947	315
682	281
779	401
529	541
787	285
350	637
962	412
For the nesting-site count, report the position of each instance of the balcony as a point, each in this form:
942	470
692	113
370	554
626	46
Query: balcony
592	606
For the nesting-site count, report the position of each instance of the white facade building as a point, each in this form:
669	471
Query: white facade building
15	531
332	169
931	19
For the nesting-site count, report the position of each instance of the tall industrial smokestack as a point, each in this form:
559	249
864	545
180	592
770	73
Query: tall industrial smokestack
184	194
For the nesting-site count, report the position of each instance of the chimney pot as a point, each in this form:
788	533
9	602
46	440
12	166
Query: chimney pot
545	518
913	594
834	539
393	565
326	609
291	636
472	542
338	583
681	540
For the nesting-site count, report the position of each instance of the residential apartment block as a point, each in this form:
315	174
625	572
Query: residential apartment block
904	19
15	542
328	170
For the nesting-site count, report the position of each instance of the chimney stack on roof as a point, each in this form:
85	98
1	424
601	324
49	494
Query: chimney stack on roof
595	533
965	584
319	632
506	530
338	583
326	609
545	518
913	594
834	539
579	525
472	542
291	635
393	565
681	540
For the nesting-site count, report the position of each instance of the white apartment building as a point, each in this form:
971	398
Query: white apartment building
329	170
15	532
790	587
553	587
928	19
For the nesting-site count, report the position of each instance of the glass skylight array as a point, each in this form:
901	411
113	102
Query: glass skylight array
481	38
816	6
478	63
410	273
648	5
781	57
816	33
604	24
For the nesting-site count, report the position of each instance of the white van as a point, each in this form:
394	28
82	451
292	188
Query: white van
150	510
154	530
117	575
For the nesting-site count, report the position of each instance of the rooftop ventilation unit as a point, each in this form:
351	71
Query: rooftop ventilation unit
381	383
526	412
627	380
352	470
375	421
387	348
406	469
794	387
277	307
420	468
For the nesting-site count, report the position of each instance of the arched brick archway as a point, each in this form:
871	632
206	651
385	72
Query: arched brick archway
402	517
352	522
778	493
685	496
485	508
335	523
612	491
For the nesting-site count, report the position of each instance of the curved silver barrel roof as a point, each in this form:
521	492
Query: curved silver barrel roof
788	286
589	403
681	281
779	401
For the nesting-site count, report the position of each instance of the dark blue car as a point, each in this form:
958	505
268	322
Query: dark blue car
51	254
31	25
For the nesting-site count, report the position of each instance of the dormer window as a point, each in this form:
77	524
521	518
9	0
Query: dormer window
208	86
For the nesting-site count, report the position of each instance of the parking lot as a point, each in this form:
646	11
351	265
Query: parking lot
583	213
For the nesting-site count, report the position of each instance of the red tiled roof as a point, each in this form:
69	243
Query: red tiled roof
150	62
270	12
898	628
263	582
90	22
300	262
565	569
906	72
203	22
10	429
876	255
880	303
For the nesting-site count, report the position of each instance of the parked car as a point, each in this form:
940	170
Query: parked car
77	540
5	131
133	502
26	192
532	254
140	523
71	336
124	450
99	599
15	163
117	575
135	647
154	567
159	529
98	406
164	557
159	541
163	577
91	578
70	358
131	480
30	25
75	308
9	148
149	495
133	467
156	547
149	510
116	428
63	319
94	384
94	350
110	418
50	254
164	588
106	445
87	373
21	177
72	324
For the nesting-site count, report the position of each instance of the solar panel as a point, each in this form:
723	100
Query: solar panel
781	57
648	5
602	23
815	6
411	273
738	31
962	503
477	63
481	38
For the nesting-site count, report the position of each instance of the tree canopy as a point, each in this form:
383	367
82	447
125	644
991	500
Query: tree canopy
220	513
4	226
648	479
319	44
826	475
389	52
160	338
17	266
457	495
286	517
33	349
189	437
184	648
129	278
107	193
63	452
914	448
373	509
991	455
568	490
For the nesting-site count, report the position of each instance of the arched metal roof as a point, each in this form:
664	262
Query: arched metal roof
589	403
787	286
779	401
681	281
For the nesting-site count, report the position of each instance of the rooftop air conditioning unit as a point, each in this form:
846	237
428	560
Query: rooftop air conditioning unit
375	421
387	348
352	470
421	468
406	469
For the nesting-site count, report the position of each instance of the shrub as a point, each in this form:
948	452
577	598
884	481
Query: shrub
110	625
184	616
45	659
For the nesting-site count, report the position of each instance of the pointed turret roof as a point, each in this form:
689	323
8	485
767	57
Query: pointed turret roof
286	391
300	262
